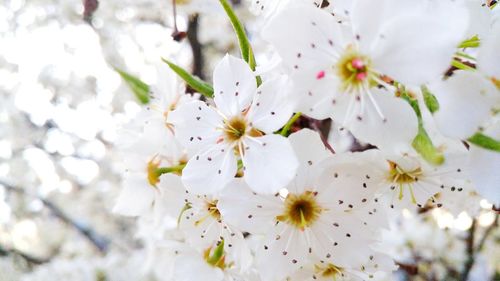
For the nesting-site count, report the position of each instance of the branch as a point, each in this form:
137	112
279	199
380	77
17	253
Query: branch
100	242
470	252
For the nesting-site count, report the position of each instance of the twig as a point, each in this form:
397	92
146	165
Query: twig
100	242
196	46
487	232
470	252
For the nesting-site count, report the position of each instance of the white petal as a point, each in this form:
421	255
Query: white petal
417	48
488	56
485	165
247	210
196	125
136	197
269	163
210	171
465	101
271	107
169	200
191	268
315	38
348	181
310	151
317	98
394	131
234	85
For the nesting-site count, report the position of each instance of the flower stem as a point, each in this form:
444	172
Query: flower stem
173	169
288	125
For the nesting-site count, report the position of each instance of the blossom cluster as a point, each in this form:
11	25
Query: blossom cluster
239	181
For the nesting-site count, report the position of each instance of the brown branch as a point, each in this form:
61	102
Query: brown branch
100	242
469	262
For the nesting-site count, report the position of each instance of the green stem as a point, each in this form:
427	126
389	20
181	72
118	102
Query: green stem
288	125
172	169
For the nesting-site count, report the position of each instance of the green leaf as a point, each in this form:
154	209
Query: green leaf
245	47
472	42
194	82
422	143
139	88
485	142
430	100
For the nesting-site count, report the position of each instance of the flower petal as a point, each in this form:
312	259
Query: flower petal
466	100
310	152
488	56
136	197
271	107
269	162
315	39
417	48
234	85
196	125
394	131
210	171
253	213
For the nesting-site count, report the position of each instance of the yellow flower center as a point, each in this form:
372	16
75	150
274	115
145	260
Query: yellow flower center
402	178
301	210
235	128
496	82
212	211
328	271
354	70
151	169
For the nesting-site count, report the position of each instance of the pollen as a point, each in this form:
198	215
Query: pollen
301	211
235	128
353	70
151	170
328	271
404	178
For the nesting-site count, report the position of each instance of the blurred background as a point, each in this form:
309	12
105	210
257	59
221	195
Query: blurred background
61	107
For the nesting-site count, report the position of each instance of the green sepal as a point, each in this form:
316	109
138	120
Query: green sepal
472	42
173	169
422	143
462	66
430	100
485	142
194	82
186	207
288	125
217	254
139	88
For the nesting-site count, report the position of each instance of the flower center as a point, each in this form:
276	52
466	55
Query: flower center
301	210
329	271
496	82
212	209
400	176
235	128
152	171
403	178
354	70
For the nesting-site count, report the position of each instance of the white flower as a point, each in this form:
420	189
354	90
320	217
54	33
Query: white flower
484	166
203	225
156	148
323	216
337	68
241	126
373	267
406	179
469	99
